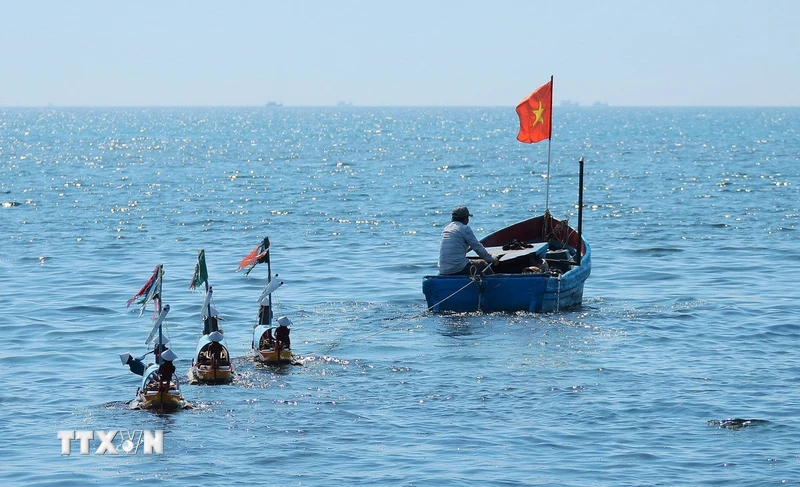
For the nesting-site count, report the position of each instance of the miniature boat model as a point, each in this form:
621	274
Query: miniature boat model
157	394
211	363
159	388
270	344
270	349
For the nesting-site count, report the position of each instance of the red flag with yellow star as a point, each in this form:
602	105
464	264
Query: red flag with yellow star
535	115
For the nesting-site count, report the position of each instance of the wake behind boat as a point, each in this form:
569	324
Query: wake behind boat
159	388
211	363
270	345
542	262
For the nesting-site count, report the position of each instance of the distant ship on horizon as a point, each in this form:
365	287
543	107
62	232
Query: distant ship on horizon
274	104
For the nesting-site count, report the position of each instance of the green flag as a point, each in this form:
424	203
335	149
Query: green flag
200	271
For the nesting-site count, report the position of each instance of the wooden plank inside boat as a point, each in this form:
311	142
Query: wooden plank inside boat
539	248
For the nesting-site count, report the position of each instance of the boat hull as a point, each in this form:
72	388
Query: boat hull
150	396
510	290
535	293
264	350
274	357
206	374
205	370
162	401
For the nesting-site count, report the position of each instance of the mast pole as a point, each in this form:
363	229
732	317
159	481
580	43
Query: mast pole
580	210
269	279
208	324
549	145
158	314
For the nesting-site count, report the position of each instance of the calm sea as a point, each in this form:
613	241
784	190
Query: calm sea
690	316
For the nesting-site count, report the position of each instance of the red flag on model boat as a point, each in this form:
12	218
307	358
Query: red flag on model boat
259	255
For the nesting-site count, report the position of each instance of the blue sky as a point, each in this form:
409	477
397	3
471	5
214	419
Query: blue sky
399	53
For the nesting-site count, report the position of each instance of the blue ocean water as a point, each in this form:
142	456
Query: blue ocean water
690	314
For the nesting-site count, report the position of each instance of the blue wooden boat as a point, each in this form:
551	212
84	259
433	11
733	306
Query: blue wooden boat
521	282
516	285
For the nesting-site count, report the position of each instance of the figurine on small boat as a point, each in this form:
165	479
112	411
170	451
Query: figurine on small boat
159	388
271	345
212	362
274	346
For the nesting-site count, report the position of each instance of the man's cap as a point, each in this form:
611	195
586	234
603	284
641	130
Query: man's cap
284	321
461	212
215	336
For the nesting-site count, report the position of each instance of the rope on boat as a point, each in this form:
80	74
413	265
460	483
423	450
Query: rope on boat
474	277
558	295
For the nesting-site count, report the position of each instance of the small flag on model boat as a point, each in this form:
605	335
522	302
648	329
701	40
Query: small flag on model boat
258	255
200	271
151	291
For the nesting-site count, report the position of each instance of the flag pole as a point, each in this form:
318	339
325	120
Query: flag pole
269	278
158	313
549	145
580	211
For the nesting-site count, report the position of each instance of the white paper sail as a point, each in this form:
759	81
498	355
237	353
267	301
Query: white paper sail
204	310
271	287
157	324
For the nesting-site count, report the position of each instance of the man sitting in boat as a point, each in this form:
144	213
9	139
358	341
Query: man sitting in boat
166	369
282	332
457	239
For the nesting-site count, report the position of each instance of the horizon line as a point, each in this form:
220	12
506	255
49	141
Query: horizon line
352	106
